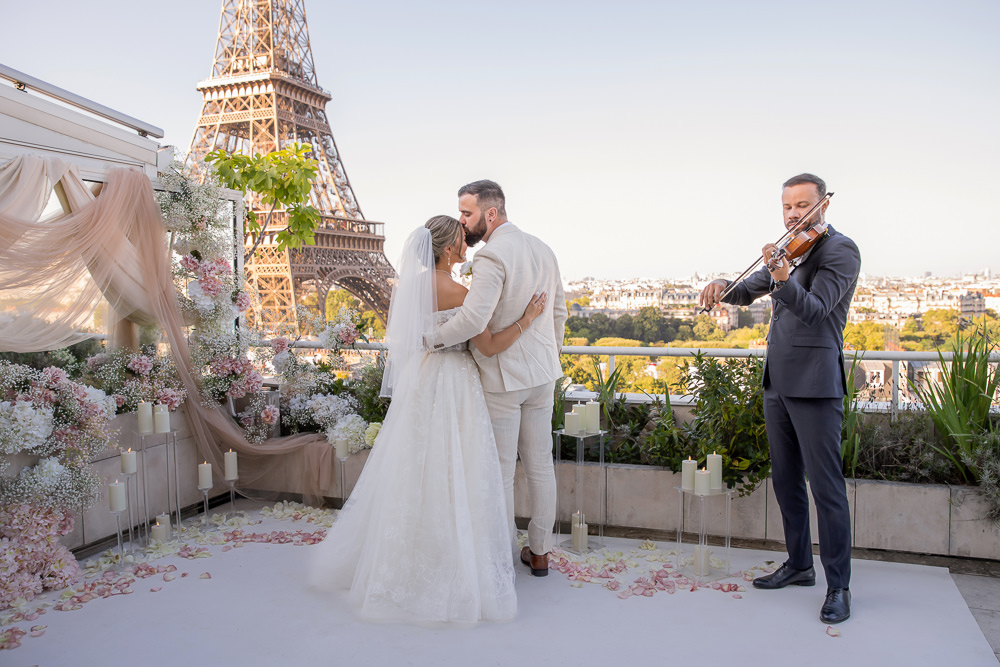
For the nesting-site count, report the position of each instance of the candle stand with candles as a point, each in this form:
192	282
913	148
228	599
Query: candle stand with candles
578	427
205	485
231	475
701	566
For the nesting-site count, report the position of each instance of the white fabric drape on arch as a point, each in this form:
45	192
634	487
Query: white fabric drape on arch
53	273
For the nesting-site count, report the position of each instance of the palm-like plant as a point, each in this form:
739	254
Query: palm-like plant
960	406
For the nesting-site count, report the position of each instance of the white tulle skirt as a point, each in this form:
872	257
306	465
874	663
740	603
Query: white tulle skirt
424	534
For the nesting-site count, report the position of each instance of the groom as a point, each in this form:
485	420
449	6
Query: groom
519	382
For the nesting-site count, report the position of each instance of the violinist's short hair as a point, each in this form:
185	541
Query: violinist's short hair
807	178
488	195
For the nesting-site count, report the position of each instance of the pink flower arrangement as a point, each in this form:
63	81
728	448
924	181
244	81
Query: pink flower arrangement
140	364
31	557
270	415
281	344
243	302
170	398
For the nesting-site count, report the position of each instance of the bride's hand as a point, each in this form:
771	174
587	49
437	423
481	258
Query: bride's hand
536	307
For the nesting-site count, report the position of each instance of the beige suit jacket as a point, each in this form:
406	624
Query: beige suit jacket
506	273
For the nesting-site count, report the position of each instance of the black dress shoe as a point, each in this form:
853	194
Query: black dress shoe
786	576
837	607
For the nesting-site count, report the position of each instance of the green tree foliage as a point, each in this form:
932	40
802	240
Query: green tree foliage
283	179
866	335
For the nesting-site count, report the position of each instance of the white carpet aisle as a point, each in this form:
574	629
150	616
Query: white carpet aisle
256	610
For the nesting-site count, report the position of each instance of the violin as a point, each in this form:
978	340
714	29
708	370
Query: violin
794	243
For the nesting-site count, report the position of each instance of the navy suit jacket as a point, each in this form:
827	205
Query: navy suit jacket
805	342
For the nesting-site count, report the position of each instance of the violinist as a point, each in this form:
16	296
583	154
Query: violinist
804	386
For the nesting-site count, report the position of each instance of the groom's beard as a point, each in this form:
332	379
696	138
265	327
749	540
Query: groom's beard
475	232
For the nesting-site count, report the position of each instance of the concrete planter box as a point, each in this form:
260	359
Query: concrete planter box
915	518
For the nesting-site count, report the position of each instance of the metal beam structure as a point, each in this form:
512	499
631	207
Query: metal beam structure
262	96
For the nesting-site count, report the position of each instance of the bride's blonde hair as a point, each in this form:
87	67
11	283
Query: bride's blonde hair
445	231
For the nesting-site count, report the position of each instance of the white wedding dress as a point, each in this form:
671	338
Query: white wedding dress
424	536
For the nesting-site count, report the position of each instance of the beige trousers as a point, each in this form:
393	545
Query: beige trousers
522	424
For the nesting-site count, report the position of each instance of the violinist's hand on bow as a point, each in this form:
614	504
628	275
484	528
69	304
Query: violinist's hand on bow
710	294
778	266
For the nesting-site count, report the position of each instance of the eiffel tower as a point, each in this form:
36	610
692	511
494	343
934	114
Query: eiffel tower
262	96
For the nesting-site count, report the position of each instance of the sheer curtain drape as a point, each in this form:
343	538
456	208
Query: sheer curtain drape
54	272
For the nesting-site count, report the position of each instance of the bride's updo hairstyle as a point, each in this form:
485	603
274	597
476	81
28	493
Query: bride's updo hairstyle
444	232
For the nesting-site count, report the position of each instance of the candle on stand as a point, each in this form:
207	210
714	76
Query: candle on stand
572	423
714	465
164	520
702	482
128	462
205	475
116	496
145	418
341	446
702	561
160	533
593	417
580	538
232	466
161	419
581	411
687	474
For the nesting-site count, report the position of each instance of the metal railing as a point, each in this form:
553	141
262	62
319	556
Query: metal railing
613	352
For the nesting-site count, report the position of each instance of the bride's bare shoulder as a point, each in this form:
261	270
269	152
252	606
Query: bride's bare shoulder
449	293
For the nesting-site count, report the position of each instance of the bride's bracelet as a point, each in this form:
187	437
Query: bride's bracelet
519	326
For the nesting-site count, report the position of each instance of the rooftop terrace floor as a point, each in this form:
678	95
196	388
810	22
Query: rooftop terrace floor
256	609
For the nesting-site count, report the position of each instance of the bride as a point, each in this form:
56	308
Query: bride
424	535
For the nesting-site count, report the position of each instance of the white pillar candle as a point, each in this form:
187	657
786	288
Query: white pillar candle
161	419
145	418
160	533
580	542
702	482
116	496
205	475
164	520
714	465
593	417
232	466
702	561
581	411
687	474
571	425
128	462
341	446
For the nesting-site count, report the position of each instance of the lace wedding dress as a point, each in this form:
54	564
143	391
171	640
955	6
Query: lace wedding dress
423	536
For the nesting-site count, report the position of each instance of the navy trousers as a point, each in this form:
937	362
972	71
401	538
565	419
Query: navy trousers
804	438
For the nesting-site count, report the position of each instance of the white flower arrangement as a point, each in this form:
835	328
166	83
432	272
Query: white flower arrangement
371	433
329	409
351	428
24	427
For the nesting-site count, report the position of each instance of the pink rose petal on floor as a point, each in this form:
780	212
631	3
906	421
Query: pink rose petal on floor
169	577
206	575
832	631
226	548
737	596
38	630
156	589
183	574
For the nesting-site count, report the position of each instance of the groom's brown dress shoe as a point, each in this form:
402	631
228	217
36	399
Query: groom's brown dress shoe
539	564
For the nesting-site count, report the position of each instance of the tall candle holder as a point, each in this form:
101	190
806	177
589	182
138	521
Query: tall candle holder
204	493
128	505
145	498
121	548
343	481
579	527
173	505
232	494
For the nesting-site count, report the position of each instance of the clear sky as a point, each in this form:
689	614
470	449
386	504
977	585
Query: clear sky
638	138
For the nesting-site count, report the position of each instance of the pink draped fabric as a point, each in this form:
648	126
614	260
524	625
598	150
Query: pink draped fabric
54	272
